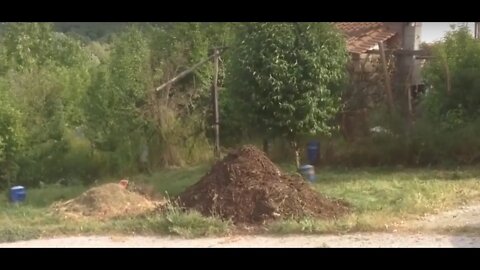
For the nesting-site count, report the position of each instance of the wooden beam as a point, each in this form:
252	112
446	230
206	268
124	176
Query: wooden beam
477	30
412	52
388	88
189	70
447	74
184	73
424	57
401	52
409	93
216	54
378	51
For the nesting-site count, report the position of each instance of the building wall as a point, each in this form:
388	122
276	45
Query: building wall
410	35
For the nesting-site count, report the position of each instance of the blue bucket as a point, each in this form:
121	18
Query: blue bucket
17	194
308	172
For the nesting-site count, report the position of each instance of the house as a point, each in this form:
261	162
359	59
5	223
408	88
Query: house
369	76
363	38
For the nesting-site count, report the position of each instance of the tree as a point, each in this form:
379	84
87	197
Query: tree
180	112
11	137
289	75
30	45
453	77
114	100
45	76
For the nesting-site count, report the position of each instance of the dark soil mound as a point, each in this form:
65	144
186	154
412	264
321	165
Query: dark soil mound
248	188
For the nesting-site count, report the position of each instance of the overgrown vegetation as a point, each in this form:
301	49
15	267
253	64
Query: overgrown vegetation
446	116
288	75
77	110
382	199
80	106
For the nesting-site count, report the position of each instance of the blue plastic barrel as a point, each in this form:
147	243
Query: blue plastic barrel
17	194
308	172
313	151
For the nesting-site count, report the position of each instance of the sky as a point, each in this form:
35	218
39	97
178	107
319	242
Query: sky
434	31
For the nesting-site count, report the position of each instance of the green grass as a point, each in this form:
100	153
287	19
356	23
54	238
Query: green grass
401	193
45	196
33	219
173	181
384	198
173	222
380	198
26	222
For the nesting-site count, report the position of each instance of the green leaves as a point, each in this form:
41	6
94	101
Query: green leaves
45	75
287	73
453	77
11	136
30	45
119	87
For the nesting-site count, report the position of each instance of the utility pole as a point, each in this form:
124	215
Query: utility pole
216	117
216	54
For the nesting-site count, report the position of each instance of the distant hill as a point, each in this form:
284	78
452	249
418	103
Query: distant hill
94	31
91	30
86	30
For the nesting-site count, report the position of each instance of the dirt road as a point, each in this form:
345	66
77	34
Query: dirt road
465	216
424	237
353	240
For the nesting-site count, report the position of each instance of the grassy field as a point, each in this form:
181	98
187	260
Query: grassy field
381	200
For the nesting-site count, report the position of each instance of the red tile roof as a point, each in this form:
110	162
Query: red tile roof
362	36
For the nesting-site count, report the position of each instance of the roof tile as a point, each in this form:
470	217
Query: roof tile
362	36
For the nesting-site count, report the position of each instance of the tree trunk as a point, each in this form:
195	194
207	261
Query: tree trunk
215	106
388	87
265	146
297	153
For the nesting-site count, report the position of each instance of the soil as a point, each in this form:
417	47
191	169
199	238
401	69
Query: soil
466	216
246	187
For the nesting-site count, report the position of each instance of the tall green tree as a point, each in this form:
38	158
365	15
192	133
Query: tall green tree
30	45
46	74
11	137
289	75
453	78
117	94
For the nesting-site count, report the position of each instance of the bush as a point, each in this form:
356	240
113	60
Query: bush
454	93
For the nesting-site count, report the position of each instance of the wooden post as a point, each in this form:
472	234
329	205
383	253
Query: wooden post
408	89
447	74
215	105
266	146
477	30
388	88
296	149
215	88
